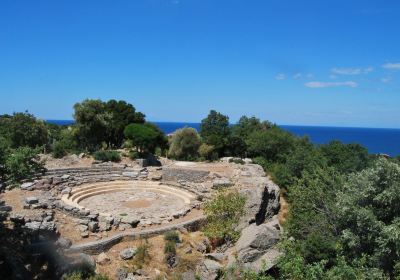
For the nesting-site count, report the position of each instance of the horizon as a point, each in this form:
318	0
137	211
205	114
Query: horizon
297	64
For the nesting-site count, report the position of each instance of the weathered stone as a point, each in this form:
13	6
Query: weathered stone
17	218
5	208
256	240
27	186
85	234
132	174
67	190
215	256
189	175
103	259
128	253
49	226
82	228
31	200
189	275
34	226
133	222
209	269
222	183
121	273
93	226
63	243
142	162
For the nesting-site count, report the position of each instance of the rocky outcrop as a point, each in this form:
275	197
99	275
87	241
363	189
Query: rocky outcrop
256	247
184	174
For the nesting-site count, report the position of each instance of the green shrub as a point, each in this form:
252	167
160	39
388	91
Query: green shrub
133	155
172	236
184	144
23	164
104	156
223	214
208	152
170	248
237	160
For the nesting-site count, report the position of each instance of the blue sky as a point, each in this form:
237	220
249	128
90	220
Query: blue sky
334	63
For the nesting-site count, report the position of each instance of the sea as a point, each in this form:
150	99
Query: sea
376	140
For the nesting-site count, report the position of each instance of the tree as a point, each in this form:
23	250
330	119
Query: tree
121	114
184	144
272	144
145	137
369	211
4	149
214	130
104	122
346	158
23	129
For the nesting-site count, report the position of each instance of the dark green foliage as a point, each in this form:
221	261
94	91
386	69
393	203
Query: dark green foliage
273	144
22	164
369	215
145	137
104	122
223	214
214	130
4	150
184	144
346	158
172	236
23	129
65	144
170	248
105	156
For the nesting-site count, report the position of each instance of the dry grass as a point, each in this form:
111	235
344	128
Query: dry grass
284	210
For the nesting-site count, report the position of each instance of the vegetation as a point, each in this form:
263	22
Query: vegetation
106	156
184	144
142	256
223	214
99	122
214	130
145	137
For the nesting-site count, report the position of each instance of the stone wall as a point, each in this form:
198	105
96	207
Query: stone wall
183	174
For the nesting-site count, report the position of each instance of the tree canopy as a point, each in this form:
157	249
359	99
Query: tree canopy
184	144
214	130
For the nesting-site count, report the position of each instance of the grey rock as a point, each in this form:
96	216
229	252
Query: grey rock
189	275
93	226
209	269
215	256
121	273
103	259
31	200
65	177
130	221
5	208
256	240
132	174
222	183
128	253
85	234
27	186
63	243
17	218
67	190
49	226
34	226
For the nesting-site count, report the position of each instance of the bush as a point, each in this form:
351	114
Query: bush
133	155
142	255
23	164
172	236
105	156
207	151
184	144
170	248
223	214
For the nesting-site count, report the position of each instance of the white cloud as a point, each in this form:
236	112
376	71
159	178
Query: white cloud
331	84
297	76
280	77
352	71
391	66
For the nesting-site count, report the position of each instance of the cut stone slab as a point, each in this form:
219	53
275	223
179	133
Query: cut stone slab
27	186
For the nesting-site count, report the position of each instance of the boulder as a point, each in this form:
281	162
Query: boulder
103	259
93	226
209	270
63	243
222	183
133	222
255	240
128	253
27	186
31	200
215	256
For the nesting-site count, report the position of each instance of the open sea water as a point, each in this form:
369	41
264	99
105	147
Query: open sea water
376	140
